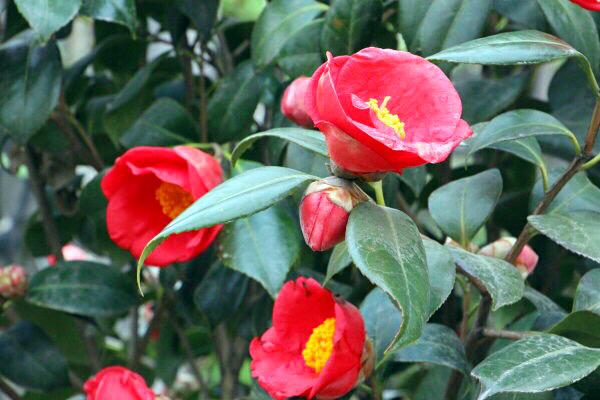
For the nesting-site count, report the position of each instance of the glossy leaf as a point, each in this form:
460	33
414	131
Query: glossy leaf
527	149
535	364
382	320
118	11
415	178
520	47
451	22
309	139
231	108
501	279
243	243
549	312
277	23
577	231
301	54
441	272
410	17
575	26
524	13
517	124
348	25
461	207
338	261
48	16
587	296
30	359
386	247
579	194
580	326
164	123
239	197
30	82
83	288
437	345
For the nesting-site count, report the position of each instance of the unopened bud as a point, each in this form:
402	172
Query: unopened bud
325	209
292	102
13	281
367	361
525	262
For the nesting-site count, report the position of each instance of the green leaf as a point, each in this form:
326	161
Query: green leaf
437	345
338	261
238	197
30	359
263	246
386	247
279	21
118	11
574	25
48	16
579	194
550	312
83	288
501	279
164	123
349	25
577	231
535	364
580	326
509	48
309	139
460	208
528	149
587	296
451	22
297	157
415	179
231	108
441	272
243	10
30	82
526	14
518	124
301	54
410	17
203	14
382	320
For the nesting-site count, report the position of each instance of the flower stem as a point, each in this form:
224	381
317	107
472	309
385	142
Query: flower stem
378	187
591	163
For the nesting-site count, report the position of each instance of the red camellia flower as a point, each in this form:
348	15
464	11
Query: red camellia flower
385	110
315	347
147	188
593	5
292	102
114	383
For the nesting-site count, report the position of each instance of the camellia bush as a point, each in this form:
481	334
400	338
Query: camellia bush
300	199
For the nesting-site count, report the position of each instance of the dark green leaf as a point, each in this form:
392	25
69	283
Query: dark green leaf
382	320
48	16
301	54
338	261
297	157
279	21
164	123
587	296
579	194
309	139
451	22
119	11
461	207
501	279
574	25
386	247
410	16
30	359
550	312
203	14
349	25
239	197
263	246
415	178
437	345
577	231
441	272
535	364
580	326
524	13
83	288
30	85
231	108
527	148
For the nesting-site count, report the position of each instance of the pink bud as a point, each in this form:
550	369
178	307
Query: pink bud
525	262
325	209
13	281
292	102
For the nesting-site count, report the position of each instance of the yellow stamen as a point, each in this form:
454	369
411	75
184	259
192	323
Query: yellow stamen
384	115
320	345
173	199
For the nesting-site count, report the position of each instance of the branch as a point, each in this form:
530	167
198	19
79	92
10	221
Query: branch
474	281
502	334
187	347
8	390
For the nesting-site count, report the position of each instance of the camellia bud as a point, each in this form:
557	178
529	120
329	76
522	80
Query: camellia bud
525	262
325	209
13	281
292	102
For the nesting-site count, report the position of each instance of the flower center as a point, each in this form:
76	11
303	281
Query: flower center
320	345
384	115
173	199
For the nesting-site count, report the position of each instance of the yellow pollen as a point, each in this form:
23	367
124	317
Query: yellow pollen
173	199
320	345
384	115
